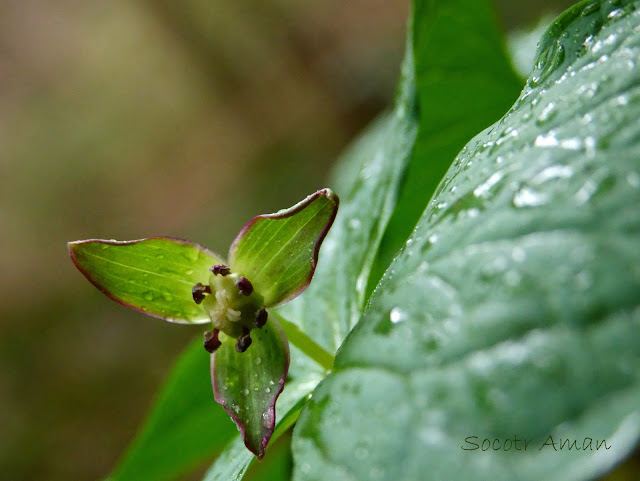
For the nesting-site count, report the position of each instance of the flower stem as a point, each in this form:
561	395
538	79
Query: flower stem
305	343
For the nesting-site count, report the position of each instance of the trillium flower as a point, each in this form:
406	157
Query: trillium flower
270	262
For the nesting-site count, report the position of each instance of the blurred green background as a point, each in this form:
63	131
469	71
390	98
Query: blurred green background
128	119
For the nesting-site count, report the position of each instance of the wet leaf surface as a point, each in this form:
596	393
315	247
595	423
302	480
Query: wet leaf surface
513	307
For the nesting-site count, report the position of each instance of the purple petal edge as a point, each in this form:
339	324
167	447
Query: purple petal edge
219	399
70	246
288	213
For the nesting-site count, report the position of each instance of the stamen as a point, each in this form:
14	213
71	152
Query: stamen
211	341
198	292
244	341
220	269
261	318
246	288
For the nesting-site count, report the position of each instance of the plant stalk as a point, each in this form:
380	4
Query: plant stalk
303	342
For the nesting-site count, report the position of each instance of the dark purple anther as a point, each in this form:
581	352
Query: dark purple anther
199	291
261	318
211	342
220	269
244	341
246	288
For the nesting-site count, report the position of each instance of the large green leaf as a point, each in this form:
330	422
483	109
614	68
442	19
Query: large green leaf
154	276
513	309
367	178
184	427
464	83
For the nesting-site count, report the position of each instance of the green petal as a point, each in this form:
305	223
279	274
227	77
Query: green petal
154	276
247	384
278	252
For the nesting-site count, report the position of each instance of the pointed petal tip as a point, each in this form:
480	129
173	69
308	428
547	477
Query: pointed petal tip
257	428
173	307
310	221
330	194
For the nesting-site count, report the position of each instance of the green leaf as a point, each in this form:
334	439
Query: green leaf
513	308
154	276
464	83
247	384
184	427
367	177
278	252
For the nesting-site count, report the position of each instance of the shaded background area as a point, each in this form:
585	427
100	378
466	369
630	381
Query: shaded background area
128	119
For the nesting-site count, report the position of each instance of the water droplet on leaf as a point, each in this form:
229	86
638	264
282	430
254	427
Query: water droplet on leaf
397	315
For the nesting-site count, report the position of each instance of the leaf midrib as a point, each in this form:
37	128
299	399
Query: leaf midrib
138	269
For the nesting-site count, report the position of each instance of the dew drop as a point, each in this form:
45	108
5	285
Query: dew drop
527	197
573	143
148	296
553	172
245	392
598	184
361	283
591	8
192	254
546	140
518	254
590	89
267	390
354	224
484	188
397	315
633	179
548	113
258	360
472	213
267	418
618	12
590	146
512	278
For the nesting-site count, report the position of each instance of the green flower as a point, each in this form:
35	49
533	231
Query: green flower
270	262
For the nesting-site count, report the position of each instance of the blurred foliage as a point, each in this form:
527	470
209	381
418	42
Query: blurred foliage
129	119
